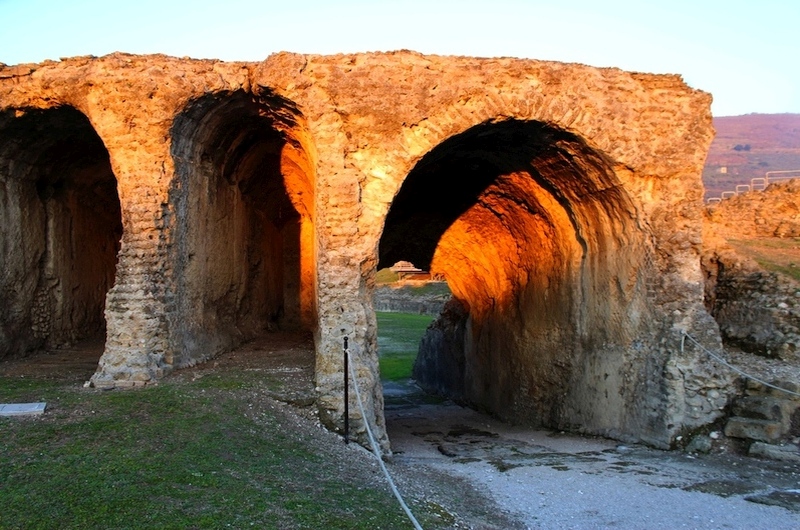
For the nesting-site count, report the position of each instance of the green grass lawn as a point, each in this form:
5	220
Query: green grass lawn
182	454
398	342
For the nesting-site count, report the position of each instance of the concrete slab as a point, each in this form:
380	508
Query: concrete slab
22	409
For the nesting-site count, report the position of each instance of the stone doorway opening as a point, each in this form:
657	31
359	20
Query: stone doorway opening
539	244
243	232
61	230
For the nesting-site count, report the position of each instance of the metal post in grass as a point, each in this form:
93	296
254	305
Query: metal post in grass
346	395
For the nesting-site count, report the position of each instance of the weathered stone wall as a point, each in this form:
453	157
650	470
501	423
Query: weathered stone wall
773	212
757	310
411	297
572	234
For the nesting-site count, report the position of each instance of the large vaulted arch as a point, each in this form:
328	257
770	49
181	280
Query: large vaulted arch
62	225
243	231
540	246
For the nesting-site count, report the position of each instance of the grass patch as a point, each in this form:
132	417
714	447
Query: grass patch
792	271
201	454
386	276
429	289
780	255
398	342
26	389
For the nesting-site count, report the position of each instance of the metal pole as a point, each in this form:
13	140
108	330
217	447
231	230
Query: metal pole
346	395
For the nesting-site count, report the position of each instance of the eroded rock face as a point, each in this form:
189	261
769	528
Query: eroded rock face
773	212
757	310
561	202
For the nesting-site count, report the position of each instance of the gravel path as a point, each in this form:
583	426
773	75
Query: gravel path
542	479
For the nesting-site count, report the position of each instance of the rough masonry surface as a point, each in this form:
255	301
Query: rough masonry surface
185	206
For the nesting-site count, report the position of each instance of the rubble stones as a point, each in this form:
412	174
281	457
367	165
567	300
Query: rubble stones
789	453
699	444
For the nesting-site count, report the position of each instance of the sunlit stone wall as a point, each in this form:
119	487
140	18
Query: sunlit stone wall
561	202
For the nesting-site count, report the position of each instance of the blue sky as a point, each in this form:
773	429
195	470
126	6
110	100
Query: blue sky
746	53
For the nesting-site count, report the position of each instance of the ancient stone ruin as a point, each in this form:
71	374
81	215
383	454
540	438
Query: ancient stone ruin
756	310
184	206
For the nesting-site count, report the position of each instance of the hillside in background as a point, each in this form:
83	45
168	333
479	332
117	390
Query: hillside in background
748	146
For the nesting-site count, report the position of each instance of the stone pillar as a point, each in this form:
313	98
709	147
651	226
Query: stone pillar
137	307
344	308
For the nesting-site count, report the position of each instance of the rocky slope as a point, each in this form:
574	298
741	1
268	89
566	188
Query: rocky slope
756	309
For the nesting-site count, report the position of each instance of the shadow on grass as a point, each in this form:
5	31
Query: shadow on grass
398	342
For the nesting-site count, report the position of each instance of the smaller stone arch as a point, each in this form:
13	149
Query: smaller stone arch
62	225
243	229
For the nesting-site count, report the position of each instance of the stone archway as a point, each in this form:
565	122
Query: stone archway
539	243
243	235
206	157
61	229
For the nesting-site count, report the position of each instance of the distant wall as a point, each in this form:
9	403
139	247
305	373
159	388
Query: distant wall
424	299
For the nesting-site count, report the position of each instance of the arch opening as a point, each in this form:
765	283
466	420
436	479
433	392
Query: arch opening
243	234
538	242
61	230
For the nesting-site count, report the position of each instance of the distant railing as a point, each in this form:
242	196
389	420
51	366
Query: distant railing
757	184
784	175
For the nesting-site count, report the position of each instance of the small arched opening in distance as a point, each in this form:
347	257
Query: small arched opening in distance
61	229
540	246
243	236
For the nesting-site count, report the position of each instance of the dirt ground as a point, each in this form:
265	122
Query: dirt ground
72	363
475	472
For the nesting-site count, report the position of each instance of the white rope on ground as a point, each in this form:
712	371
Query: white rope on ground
737	370
375	448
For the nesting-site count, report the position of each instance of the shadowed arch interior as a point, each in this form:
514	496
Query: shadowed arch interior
450	179
243	231
62	226
540	247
